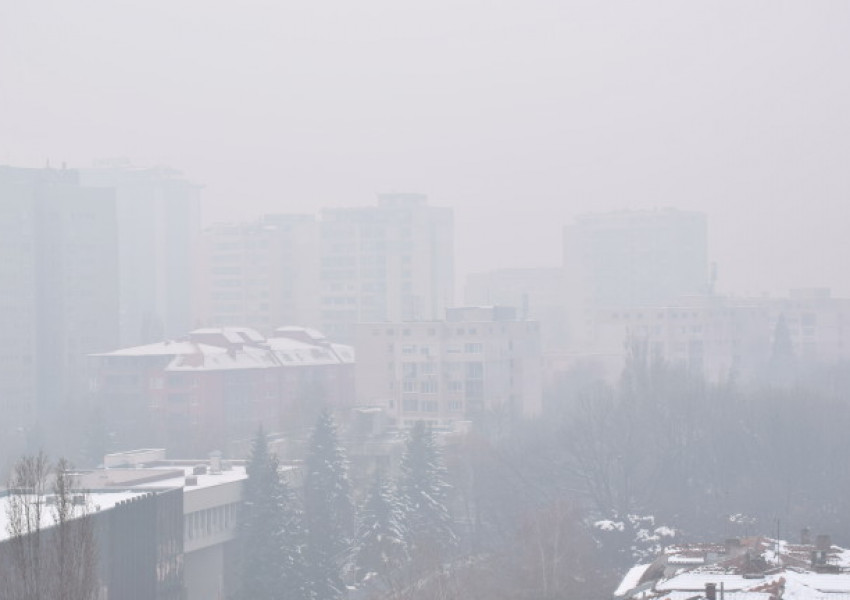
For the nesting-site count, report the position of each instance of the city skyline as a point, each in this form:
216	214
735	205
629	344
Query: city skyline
533	117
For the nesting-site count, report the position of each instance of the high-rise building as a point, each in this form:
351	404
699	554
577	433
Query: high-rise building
157	213
58	290
479	364
390	262
262	274
631	258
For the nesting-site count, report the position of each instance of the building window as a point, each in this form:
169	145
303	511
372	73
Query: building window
474	370
410	405
428	387
476	348
409	370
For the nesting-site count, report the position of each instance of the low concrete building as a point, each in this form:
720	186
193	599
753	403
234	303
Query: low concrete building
211	493
481	363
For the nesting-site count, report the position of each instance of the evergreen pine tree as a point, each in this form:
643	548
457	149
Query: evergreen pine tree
380	543
270	532
328	511
423	492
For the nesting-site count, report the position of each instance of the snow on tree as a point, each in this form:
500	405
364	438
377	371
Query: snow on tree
328	510
270	532
423	492
380	542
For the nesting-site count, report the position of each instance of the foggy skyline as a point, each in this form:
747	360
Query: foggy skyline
517	117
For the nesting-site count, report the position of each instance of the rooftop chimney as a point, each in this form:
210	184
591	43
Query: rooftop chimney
711	591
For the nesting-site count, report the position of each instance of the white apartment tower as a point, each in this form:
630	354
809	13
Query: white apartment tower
385	263
262	274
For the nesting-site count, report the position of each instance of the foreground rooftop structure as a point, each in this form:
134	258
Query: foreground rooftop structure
756	568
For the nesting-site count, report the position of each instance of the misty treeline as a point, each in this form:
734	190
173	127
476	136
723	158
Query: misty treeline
51	552
321	541
665	450
462	519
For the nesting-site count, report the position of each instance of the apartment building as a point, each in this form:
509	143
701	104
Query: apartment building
631	258
157	217
721	336
385	263
218	385
260	274
480	363
58	292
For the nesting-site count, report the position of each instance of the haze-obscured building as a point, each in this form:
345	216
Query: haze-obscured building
725	337
628	259
258	274
480	363
58	291
537	294
158	219
385	263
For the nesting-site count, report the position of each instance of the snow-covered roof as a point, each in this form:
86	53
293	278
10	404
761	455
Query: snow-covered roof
233	335
247	357
749	569
631	579
244	348
98	501
306	331
167	348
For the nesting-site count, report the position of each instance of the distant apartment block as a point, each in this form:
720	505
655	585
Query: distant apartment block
722	337
259	274
157	215
393	261
631	258
478	363
58	291
195	395
818	324
386	263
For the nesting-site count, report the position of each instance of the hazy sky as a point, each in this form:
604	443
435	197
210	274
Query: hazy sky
518	114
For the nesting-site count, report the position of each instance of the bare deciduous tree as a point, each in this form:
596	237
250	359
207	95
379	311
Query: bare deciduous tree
51	553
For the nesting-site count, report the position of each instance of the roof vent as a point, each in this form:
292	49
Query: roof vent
199	470
191	480
215	462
